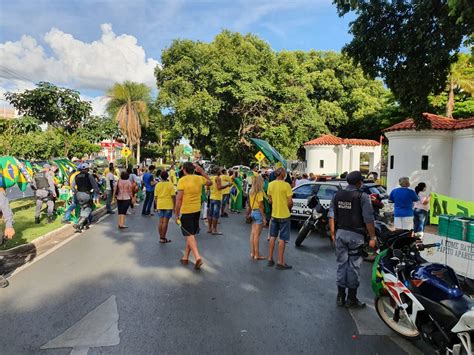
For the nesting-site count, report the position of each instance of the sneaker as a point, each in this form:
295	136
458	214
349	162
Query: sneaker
284	267
3	282
355	303
270	263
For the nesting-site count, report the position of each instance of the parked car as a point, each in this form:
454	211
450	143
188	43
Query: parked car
325	191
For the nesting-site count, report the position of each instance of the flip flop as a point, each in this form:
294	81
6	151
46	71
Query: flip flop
184	261
217	233
260	258
164	241
198	264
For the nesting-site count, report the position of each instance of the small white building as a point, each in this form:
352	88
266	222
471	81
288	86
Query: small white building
441	156
330	155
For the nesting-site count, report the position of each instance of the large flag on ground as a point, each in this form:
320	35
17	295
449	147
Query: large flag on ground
270	153
26	174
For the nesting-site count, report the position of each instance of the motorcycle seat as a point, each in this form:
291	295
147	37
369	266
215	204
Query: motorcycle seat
459	305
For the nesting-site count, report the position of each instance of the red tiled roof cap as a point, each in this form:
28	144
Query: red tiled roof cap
436	122
329	139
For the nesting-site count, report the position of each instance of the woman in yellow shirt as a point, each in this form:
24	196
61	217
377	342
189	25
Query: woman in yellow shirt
255	209
165	201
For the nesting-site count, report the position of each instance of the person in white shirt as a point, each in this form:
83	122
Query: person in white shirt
422	207
109	187
302	181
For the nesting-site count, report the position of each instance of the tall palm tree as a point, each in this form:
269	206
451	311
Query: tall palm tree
129	105
461	76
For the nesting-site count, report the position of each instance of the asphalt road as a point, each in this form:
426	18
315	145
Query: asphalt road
120	292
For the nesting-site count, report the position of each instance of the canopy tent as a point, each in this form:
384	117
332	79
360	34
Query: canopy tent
270	153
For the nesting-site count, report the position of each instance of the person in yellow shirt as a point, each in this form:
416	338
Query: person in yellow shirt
188	208
172	174
280	197
226	180
255	210
214	209
165	193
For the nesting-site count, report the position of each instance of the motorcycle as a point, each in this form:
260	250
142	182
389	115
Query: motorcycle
416	298
317	221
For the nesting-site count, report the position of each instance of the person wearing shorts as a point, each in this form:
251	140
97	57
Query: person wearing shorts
280	197
255	210
188	207
226	180
165	201
214	210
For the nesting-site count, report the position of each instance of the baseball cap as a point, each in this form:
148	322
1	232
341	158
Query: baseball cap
83	166
354	177
46	166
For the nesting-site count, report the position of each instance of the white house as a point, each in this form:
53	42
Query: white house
442	156
332	155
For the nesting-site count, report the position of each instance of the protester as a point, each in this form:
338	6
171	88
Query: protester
165	201
109	187
83	186
7	214
312	177
237	194
135	181
266	204
303	180
149	183
226	180
255	210
351	211
422	207
188	207
138	180
403	199
123	195
215	199
95	174
280	197
45	192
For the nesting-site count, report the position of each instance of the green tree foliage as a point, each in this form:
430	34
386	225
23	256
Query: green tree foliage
98	128
222	93
409	43
59	107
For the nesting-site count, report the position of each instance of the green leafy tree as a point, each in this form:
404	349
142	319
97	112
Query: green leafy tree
59	107
461	78
410	44
128	104
98	128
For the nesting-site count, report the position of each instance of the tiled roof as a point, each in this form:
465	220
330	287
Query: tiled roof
436	122
329	139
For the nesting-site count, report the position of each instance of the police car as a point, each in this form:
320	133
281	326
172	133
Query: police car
325	190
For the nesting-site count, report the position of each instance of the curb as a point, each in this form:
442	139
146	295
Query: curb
13	258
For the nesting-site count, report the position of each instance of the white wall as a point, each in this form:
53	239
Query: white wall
462	185
407	147
315	153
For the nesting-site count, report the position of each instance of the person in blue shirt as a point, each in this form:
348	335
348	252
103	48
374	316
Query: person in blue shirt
149	183
403	197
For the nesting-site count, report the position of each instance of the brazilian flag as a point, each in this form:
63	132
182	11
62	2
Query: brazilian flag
9	170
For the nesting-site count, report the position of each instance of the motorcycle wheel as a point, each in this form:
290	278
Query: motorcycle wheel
384	305
302	234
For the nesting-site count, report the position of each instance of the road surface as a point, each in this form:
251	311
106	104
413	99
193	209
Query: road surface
121	292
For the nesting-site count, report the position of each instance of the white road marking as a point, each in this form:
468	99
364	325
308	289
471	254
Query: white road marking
98	328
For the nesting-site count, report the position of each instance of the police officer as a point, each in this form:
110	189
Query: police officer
84	185
7	213
45	192
351	219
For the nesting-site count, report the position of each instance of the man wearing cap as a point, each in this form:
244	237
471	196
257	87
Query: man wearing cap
350	218
82	186
45	192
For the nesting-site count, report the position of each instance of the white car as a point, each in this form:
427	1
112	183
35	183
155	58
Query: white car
325	190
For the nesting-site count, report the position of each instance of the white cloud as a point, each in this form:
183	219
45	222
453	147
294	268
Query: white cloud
98	104
80	65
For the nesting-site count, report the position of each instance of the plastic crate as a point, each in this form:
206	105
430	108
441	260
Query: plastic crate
454	227
470	232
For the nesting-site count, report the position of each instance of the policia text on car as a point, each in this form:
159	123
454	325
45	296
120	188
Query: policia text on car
351	219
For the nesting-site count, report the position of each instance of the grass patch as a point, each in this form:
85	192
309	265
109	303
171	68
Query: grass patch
24	223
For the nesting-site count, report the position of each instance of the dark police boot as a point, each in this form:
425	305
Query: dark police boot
37	220
50	219
341	296
352	301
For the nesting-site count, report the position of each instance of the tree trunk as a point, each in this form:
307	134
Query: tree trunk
450	103
138	152
161	148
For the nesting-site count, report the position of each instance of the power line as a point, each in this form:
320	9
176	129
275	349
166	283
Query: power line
15	74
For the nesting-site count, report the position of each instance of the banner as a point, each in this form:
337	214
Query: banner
441	204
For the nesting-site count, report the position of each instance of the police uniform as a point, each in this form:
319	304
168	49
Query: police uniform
43	184
351	210
84	183
7	213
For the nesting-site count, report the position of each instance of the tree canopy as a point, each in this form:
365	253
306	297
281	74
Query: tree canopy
222	93
411	44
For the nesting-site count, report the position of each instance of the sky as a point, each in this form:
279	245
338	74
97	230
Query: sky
88	45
